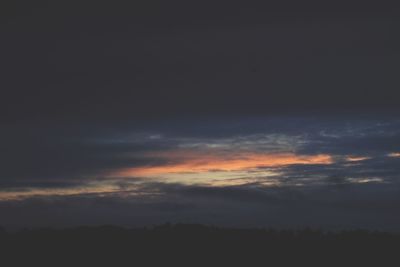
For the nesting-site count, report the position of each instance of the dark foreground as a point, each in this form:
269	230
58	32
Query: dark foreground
196	245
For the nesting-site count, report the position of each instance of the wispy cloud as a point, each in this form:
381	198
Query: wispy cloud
193	162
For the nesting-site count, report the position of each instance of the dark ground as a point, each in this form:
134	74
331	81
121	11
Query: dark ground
196	245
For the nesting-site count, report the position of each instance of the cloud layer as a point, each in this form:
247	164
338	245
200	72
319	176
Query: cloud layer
274	171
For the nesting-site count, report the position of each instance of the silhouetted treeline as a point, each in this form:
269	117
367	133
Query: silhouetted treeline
196	245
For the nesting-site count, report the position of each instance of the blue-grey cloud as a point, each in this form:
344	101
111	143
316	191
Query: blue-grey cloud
349	194
361	206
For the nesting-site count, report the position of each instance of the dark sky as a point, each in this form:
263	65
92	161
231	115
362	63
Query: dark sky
64	60
268	113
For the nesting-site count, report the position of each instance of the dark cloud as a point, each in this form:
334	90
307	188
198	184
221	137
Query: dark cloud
381	170
54	154
91	87
365	137
361	206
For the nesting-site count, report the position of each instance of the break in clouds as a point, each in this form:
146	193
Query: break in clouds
323	171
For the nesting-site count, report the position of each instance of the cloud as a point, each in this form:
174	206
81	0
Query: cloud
255	93
358	137
34	155
360	206
193	162
277	178
64	155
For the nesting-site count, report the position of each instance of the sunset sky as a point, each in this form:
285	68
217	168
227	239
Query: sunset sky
272	113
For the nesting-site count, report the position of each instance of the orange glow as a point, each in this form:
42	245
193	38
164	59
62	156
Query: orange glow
191	162
355	158
394	154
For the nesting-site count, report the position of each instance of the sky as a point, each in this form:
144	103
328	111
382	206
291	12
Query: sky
257	114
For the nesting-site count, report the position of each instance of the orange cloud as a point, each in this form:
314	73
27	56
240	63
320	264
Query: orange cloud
394	154
195	162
